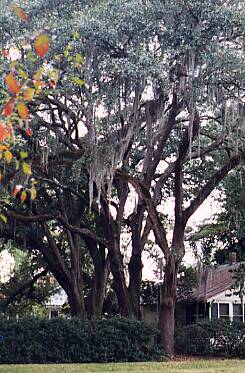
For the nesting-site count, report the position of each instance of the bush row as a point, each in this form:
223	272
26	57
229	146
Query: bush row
212	338
75	341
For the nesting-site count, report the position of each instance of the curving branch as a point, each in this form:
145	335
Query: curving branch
143	192
212	183
32	218
21	289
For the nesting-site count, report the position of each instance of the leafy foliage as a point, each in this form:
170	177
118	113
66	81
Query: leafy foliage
29	286
212	338
75	341
187	279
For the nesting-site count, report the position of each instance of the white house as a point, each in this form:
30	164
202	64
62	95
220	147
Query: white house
216	295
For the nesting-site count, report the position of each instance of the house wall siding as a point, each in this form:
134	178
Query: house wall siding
228	298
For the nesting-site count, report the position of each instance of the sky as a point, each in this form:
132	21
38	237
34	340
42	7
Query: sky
205	214
6	265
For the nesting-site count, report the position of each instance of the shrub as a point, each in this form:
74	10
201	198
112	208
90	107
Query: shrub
75	341
213	338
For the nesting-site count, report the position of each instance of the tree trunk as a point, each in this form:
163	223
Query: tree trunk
75	293
135	264
135	276
69	280
167	307
75	300
119	283
112	232
97	294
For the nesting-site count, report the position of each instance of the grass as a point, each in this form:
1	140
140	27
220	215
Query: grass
187	366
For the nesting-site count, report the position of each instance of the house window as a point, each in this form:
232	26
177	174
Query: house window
214	311
237	312
224	310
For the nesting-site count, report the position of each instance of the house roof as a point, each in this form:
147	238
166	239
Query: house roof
213	281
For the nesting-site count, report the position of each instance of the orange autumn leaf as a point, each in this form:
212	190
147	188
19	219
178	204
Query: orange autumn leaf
23	196
9	107
9	129
38	84
41	45
12	84
23	110
29	93
20	13
3	132
2	148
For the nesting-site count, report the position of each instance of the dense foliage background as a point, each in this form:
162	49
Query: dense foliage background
75	341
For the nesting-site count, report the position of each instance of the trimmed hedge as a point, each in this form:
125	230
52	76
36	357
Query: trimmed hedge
213	338
75	341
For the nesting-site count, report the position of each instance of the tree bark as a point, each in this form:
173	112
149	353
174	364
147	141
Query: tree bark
112	232
75	300
97	296
119	282
135	264
167	307
135	274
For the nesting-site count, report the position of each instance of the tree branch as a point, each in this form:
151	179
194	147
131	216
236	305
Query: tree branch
142	190
4	304
212	183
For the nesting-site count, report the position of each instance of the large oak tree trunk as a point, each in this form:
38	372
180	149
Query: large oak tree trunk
135	264
112	232
76	301
97	299
97	282
167	307
119	282
135	275
97	295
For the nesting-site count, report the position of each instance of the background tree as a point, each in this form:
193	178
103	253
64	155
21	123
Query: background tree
28	287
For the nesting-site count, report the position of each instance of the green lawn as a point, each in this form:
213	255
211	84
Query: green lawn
191	366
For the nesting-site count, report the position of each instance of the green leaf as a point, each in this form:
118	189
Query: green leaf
31	57
3	218
79	59
22	74
26	168
23	155
77	80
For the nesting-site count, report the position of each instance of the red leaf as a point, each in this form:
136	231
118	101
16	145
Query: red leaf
28	132
3	132
41	45
20	13
17	189
5	53
9	107
23	110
